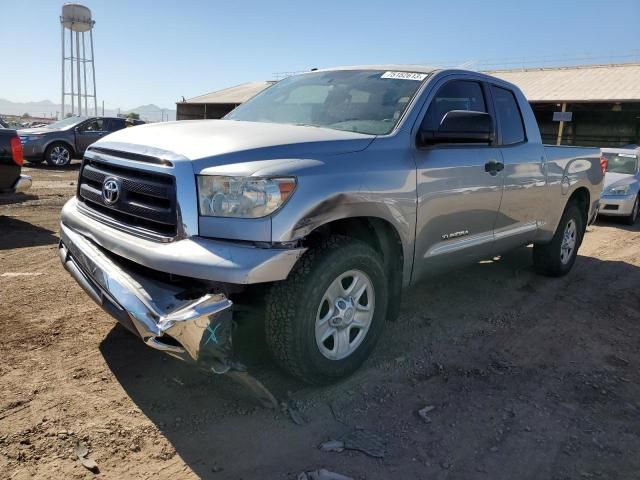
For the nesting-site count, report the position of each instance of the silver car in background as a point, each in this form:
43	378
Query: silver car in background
621	194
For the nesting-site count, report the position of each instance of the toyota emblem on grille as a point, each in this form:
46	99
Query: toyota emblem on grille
110	191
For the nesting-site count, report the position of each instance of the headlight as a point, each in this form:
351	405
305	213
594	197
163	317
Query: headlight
242	197
619	190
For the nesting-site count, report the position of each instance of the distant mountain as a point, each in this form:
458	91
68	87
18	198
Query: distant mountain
153	113
47	108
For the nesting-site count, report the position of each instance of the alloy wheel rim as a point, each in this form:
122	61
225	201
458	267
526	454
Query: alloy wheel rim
59	155
345	314
568	241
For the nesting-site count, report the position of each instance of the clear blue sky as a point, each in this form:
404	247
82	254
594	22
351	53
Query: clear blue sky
156	51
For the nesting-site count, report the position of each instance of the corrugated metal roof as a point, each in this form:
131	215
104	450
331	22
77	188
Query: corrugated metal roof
593	83
238	94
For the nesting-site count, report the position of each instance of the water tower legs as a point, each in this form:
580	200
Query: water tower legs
62	93
84	69
93	76
77	18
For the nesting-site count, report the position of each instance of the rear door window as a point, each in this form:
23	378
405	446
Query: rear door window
95	125
116	124
509	116
455	95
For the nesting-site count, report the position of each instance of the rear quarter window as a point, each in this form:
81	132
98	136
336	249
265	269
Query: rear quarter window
509	116
116	124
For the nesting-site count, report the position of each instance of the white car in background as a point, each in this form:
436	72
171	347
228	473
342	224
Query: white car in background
621	193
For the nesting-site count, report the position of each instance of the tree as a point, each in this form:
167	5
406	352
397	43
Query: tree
133	116
26	115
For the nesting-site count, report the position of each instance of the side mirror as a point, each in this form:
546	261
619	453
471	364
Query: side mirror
460	126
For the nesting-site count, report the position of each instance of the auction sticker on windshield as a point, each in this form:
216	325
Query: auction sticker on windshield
405	75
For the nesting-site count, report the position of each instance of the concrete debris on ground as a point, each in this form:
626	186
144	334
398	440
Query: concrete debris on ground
82	452
332	446
360	440
289	408
322	474
423	413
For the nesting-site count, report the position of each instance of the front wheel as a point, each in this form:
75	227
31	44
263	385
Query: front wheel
556	258
631	219
58	155
324	320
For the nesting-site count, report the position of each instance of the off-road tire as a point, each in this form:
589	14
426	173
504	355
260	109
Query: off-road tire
49	150
631	219
292	306
546	257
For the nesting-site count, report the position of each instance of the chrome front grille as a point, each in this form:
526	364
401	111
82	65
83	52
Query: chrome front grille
145	202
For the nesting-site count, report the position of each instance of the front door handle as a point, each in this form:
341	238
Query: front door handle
493	167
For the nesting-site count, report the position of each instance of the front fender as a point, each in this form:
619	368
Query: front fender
377	183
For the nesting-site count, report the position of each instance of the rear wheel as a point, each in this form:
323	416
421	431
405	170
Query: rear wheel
58	155
324	320
631	219
556	258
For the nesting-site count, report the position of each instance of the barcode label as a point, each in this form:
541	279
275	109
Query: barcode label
405	76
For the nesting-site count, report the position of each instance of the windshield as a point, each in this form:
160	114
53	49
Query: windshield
67	122
622	163
362	101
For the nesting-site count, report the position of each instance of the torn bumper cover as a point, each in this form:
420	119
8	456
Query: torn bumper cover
167	317
192	257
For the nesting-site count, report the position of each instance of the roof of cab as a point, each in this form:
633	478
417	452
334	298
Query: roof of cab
386	68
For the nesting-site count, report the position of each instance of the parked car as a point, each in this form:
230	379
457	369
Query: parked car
621	194
60	142
322	197
3	124
11	159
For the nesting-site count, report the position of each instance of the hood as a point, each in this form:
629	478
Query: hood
617	179
218	142
33	131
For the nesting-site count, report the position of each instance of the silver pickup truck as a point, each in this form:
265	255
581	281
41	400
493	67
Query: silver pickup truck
321	199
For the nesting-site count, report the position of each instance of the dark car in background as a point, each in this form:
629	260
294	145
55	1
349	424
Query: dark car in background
11	180
60	142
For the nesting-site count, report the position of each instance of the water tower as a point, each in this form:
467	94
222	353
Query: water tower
76	19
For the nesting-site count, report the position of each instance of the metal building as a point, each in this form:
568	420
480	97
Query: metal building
218	104
593	105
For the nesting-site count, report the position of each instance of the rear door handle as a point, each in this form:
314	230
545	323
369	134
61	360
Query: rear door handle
492	167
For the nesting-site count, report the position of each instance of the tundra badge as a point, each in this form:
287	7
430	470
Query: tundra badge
461	233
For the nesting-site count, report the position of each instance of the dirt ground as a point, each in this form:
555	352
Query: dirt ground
528	377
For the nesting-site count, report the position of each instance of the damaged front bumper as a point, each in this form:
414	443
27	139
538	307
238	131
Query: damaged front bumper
188	324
